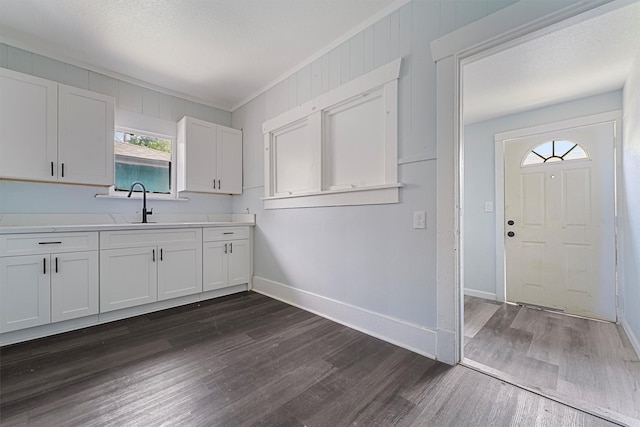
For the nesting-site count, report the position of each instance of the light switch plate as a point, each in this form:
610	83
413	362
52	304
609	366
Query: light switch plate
419	219
488	206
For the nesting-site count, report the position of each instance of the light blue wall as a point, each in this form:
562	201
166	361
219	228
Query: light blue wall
130	99
479	180
629	215
368	257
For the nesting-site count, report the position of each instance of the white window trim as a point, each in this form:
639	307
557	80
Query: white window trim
384	78
173	194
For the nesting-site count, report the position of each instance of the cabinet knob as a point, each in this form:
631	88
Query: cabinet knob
511	234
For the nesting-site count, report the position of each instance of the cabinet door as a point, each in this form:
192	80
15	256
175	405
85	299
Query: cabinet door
214	268
85	137
24	292
28	127
196	155
179	270
74	285
238	262
229	160
128	277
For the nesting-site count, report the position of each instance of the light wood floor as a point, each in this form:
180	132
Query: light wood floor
250	360
582	359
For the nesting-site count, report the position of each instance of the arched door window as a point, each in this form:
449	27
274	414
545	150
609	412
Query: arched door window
555	151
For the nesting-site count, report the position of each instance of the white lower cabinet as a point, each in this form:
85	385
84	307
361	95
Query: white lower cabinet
226	262
41	283
128	277
25	293
55	277
147	266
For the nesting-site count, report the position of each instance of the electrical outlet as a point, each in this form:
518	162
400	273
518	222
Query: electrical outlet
419	219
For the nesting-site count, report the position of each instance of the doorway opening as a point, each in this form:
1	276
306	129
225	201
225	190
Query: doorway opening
546	352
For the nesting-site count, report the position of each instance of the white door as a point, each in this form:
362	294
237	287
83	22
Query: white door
85	136
24	292
229	160
238	262
128	277
214	261
179	270
559	220
198	151
28	127
74	285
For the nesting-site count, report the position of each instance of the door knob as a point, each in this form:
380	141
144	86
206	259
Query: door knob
511	234
510	222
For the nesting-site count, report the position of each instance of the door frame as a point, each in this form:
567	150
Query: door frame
503	138
514	24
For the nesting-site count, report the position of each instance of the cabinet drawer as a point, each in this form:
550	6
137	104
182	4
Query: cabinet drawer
33	244
215	234
140	238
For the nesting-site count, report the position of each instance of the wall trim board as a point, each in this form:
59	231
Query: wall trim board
480	294
403	334
635	341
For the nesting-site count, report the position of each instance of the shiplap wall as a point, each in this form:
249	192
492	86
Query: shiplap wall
30	197
364	258
129	97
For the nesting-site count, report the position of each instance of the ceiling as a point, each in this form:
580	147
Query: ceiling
588	58
219	52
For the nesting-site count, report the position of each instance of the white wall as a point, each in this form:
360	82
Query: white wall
479	182
629	215
134	103
363	265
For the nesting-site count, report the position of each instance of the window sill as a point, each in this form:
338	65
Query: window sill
138	196
372	195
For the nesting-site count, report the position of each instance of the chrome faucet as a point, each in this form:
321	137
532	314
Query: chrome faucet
144	201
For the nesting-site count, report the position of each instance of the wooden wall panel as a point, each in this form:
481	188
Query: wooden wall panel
128	96
77	77
49	69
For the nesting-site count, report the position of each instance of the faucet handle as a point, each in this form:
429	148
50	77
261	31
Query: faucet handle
150	211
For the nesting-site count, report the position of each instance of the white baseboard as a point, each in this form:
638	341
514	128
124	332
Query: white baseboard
403	334
635	343
480	294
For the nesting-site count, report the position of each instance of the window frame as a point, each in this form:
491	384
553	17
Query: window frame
173	194
384	81
546	162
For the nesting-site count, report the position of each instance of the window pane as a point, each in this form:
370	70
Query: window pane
555	151
142	158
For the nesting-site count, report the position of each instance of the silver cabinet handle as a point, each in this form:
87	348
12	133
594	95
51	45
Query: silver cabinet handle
49	243
153	255
219	185
160	254
56	264
214	184
44	266
230	248
225	248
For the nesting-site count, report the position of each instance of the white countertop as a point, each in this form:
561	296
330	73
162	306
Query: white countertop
60	223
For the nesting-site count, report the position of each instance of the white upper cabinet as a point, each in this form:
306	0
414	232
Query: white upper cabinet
209	157
55	133
28	127
229	160
85	136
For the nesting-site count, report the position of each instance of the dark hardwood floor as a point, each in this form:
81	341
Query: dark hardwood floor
249	360
570	357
